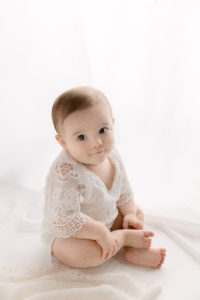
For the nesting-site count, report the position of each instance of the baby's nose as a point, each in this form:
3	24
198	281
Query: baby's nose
96	142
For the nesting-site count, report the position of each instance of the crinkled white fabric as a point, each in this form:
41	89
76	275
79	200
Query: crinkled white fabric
26	272
73	194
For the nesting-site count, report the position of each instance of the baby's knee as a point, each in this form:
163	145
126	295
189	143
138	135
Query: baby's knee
90	255
78	253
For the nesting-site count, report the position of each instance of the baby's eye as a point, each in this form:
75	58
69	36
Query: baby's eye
81	137
103	130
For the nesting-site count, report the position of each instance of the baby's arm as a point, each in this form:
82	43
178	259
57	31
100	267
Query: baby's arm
131	212
133	215
128	207
95	230
91	229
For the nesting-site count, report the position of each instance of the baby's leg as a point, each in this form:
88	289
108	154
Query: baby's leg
83	253
134	238
151	257
143	257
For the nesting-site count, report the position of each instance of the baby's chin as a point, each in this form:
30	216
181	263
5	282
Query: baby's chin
96	159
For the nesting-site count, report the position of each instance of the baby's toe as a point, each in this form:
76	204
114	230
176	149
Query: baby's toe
163	255
148	233
147	242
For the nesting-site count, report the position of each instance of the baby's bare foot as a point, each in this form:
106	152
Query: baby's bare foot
138	238
153	258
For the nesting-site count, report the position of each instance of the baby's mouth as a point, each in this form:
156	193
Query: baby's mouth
98	152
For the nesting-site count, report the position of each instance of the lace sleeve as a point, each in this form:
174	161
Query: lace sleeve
126	192
63	199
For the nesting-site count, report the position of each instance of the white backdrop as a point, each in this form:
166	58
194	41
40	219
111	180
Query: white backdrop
144	55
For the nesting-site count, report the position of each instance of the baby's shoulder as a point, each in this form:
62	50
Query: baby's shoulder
64	168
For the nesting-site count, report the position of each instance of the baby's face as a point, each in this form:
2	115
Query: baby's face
87	132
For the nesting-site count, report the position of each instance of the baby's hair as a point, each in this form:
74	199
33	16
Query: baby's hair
78	98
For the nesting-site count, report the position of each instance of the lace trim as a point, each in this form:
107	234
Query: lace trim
65	226
67	173
63	196
81	188
126	193
60	230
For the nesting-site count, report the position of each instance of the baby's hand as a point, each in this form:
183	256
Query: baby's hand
108	244
131	221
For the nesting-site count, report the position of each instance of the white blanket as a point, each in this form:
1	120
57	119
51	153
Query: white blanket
26	273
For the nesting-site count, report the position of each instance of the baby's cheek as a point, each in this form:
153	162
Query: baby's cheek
109	139
109	135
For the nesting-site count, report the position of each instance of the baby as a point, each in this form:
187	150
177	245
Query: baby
89	212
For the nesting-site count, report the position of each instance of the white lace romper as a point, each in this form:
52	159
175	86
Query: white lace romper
73	193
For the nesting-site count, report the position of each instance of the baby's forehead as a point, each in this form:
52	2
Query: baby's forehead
98	112
96	115
101	108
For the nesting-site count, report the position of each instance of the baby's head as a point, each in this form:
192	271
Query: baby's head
83	120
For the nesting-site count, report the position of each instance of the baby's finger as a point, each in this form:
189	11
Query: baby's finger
103	253
114	249
106	255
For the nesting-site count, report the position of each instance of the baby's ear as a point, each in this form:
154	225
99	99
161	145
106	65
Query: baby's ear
113	120
59	139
